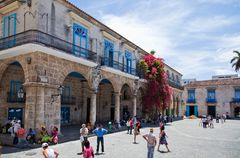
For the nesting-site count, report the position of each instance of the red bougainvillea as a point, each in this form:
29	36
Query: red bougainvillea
158	93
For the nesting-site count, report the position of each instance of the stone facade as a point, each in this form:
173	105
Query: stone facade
94	92
225	98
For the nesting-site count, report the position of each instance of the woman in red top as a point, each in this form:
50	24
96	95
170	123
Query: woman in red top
55	135
88	151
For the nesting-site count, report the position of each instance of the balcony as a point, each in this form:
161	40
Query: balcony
175	84
68	100
192	100
119	66
38	37
235	100
15	99
210	100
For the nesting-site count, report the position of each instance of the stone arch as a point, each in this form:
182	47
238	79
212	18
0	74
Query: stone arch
113	83
5	64
105	101
12	81
69	69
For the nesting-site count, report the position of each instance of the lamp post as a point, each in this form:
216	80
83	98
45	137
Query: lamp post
60	91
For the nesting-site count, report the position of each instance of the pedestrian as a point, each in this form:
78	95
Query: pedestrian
201	122
162	139
128	125
217	118
222	119
151	143
49	153
135	133
88	151
83	135
131	126
22	142
54	133
99	131
211	122
31	136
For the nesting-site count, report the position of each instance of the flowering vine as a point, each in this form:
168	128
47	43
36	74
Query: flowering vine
159	92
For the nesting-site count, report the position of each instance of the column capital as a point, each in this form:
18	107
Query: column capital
116	93
94	90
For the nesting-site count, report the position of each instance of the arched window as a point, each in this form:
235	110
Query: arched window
177	78
168	75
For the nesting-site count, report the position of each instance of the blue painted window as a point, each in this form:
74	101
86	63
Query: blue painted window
128	56
15	86
237	93
191	95
9	29
80	40
108	53
16	113
211	94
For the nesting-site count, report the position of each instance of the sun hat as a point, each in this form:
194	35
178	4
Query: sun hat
44	145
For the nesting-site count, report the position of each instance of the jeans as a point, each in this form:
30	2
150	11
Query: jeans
150	151
100	139
22	142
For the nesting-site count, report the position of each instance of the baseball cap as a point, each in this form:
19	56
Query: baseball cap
45	145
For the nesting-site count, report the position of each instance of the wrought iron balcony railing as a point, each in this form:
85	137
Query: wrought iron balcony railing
210	100
119	66
15	99
39	37
235	100
192	100
175	85
68	100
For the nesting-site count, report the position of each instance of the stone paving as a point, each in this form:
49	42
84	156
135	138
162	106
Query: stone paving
186	140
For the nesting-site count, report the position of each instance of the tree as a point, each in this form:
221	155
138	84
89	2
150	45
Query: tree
236	60
158	94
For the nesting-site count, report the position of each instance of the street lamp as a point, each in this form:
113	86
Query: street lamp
20	93
60	91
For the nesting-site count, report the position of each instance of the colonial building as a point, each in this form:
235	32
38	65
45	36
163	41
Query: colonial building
217	96
59	65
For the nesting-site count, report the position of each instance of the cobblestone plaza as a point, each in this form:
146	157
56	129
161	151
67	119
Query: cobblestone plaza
186	140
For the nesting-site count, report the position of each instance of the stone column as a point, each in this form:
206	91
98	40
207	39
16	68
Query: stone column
93	108
34	109
117	107
134	105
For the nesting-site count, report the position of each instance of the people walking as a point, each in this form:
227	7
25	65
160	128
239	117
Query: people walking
162	139
128	125
217	118
151	143
211	122
83	135
135	133
99	131
131	126
49	153
88	151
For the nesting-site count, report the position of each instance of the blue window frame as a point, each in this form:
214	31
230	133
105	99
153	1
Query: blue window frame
128	56
9	29
191	95
16	113
108	53
211	94
14	88
80	40
237	93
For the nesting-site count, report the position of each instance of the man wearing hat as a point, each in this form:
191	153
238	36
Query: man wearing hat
47	152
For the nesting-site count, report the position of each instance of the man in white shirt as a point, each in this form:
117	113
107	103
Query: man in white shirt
83	135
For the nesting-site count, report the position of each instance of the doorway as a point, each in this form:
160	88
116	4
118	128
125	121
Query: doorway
237	112
112	113
65	115
88	109
212	111
16	113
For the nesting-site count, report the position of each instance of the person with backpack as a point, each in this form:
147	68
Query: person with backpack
88	151
49	153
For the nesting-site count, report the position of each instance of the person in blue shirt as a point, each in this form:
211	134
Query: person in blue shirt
99	131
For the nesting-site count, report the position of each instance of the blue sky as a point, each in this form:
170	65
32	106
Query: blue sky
196	38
